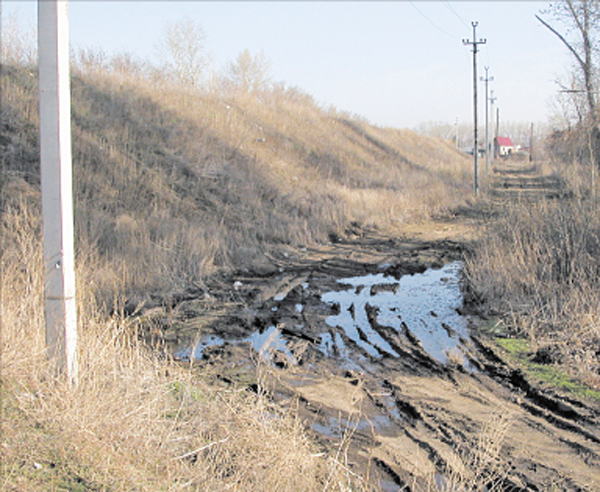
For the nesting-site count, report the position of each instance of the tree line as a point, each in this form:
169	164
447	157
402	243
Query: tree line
181	53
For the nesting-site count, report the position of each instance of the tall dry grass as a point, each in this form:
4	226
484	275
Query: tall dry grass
173	184
539	264
135	421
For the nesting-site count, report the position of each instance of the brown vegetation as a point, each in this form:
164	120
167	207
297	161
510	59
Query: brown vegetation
135	421
173	186
537	266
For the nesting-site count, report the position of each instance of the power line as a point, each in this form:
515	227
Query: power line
451	9
432	23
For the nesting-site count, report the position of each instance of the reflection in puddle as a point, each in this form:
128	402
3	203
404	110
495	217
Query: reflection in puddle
267	342
264	343
326	346
337	427
198	349
424	303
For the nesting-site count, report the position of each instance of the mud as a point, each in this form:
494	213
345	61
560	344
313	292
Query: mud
368	336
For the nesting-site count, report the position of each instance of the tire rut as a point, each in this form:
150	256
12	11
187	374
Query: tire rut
405	417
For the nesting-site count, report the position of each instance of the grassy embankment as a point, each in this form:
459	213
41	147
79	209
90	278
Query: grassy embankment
172	186
536	271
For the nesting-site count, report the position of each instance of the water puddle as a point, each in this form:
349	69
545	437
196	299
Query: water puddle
264	343
335	427
423	307
270	341
184	353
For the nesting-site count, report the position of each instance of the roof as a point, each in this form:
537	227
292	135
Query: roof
505	141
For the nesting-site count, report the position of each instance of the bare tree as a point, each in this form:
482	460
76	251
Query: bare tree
182	51
17	45
249	73
581	32
582	21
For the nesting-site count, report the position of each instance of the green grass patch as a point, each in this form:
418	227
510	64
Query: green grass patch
519	350
516	347
185	390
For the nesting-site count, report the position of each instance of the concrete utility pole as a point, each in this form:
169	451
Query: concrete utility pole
492	100
475	143
487	132
57	185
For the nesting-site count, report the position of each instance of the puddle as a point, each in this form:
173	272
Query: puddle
267	342
264	343
327	345
420	306
198	349
336	427
424	303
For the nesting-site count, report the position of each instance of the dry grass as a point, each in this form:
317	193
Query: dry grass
172	186
539	265
135	421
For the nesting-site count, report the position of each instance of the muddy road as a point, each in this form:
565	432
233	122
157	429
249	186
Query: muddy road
368	338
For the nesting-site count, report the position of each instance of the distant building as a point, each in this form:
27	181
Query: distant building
469	150
504	146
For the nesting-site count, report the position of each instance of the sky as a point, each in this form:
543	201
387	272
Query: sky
395	63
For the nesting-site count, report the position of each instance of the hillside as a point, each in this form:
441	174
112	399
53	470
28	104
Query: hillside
172	185
173	189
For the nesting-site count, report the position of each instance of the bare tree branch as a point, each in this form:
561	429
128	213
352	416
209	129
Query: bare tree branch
562	38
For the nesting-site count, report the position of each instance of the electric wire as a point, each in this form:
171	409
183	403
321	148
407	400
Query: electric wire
431	22
449	7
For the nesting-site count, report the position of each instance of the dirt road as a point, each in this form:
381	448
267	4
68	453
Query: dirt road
365	377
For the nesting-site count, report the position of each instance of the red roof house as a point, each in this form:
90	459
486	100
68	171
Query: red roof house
504	146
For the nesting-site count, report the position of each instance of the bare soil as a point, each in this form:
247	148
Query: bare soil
406	421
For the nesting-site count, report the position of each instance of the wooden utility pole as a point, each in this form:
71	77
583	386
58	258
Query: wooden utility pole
497	127
493	150
475	142
456	133
57	186
487	123
531	143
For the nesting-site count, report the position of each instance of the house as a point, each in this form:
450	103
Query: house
504	146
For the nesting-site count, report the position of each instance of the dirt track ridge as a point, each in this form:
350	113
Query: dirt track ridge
516	180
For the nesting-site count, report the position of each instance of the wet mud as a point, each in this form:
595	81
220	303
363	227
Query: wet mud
368	339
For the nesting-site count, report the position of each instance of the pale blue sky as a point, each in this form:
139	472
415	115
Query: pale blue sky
397	63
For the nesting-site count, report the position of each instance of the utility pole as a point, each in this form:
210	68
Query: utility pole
456	132
475	143
57	186
531	144
492	100
497	125
487	133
